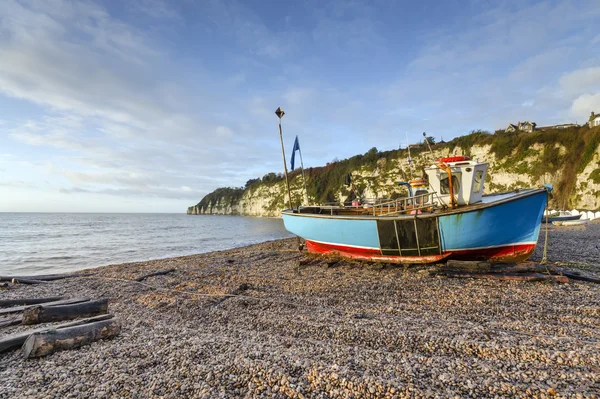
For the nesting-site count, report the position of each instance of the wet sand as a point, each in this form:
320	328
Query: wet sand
315	331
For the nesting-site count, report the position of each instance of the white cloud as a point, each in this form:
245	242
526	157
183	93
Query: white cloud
122	110
581	80
584	105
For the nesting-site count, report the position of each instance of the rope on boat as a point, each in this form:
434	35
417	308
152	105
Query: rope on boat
544	256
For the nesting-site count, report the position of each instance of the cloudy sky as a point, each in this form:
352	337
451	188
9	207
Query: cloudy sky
147	105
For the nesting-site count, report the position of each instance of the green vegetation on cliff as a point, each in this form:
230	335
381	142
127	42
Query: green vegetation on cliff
559	155
224	196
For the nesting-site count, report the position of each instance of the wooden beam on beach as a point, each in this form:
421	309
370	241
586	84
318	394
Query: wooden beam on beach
12	321
21	280
47	342
467	265
577	276
16	340
509	276
526	268
45	277
28	301
158	273
48	313
239	290
16	309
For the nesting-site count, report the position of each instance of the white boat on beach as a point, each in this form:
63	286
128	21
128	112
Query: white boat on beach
571	222
561	216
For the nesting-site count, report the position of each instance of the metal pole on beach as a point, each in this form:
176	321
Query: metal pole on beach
279	112
303	177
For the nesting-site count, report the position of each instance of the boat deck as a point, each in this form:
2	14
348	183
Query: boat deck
423	205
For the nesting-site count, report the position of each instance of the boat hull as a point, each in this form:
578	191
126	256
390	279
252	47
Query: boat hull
498	231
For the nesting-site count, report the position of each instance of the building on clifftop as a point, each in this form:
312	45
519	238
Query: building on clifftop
526	127
563	126
594	120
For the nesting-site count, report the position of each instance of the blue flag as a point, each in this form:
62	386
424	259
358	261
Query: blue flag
296	148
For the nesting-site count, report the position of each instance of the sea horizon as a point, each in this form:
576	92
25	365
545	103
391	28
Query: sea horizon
59	242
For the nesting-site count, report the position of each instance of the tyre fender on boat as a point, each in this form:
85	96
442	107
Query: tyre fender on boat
457	158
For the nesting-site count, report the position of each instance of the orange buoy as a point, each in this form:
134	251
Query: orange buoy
417	182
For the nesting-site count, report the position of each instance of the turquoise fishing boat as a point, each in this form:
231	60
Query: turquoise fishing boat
446	217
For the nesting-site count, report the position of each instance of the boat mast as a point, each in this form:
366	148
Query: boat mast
279	112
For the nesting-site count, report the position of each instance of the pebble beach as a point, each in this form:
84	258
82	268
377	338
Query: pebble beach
267	321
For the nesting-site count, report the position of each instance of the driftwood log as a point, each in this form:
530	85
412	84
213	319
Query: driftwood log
16	340
44	277
28	301
45	343
11	321
239	290
48	313
158	273
466	265
21	280
577	276
509	271
509	276
16	309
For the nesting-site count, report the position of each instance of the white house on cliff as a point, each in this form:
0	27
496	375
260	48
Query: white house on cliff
522	126
594	120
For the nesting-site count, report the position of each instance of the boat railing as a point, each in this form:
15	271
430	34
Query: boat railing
382	206
402	205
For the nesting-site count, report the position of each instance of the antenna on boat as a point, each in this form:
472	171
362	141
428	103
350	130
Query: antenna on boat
409	159
427	141
279	112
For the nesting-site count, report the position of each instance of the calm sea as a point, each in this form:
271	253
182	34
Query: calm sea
42	243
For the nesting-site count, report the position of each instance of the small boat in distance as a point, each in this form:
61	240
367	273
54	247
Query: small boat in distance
448	217
571	222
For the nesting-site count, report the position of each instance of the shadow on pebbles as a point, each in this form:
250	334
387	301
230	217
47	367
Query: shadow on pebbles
302	328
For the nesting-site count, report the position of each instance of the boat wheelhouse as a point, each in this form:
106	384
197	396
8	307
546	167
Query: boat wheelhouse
445	216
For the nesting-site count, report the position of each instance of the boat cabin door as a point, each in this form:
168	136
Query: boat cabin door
409	236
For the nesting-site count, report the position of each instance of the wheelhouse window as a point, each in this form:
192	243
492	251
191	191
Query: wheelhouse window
422	199
478	182
445	187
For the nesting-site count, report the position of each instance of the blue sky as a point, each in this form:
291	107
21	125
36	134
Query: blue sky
146	106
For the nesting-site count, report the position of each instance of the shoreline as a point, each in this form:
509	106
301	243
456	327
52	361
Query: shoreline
351	330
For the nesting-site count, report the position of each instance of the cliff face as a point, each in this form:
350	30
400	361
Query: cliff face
568	159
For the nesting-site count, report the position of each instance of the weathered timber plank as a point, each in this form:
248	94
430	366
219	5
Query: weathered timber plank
61	302
44	314
45	343
21	280
16	340
510	277
158	273
28	301
48	277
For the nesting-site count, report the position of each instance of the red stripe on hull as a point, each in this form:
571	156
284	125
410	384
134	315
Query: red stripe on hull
511	253
369	254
